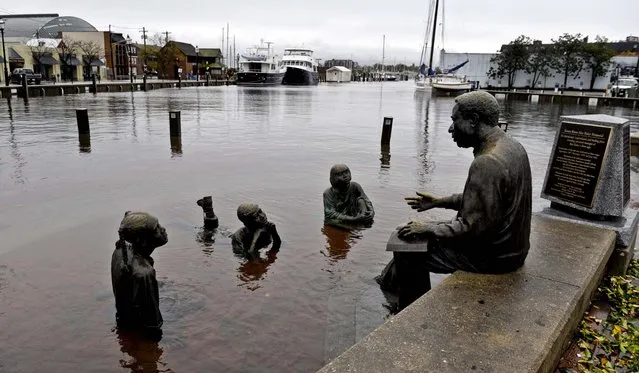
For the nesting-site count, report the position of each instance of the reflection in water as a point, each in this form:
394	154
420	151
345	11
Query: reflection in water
19	161
144	356
422	107
176	146
253	268
339	241
134	130
385	156
85	143
206	238
9	108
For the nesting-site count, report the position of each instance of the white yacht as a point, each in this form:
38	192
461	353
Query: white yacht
449	83
259	66
299	67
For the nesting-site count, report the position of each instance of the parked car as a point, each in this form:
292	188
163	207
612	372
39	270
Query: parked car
17	74
624	87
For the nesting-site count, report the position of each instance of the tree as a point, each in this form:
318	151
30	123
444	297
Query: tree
166	58
67	49
512	58
597	57
539	62
38	51
91	50
568	55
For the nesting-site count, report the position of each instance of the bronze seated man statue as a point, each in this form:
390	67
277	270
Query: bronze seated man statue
257	232
345	203
491	231
135	287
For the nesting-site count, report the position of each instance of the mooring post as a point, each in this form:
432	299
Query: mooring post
179	81
144	88
208	79
82	116
387	128
25	87
175	123
94	84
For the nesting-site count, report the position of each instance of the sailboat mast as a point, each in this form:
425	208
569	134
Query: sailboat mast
432	43
383	51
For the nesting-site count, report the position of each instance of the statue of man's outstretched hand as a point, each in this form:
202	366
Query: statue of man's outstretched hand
423	201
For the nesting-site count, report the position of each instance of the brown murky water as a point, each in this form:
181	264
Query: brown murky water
286	313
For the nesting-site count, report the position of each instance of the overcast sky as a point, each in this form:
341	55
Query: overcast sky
352	28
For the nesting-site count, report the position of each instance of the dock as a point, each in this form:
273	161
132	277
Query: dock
62	89
567	97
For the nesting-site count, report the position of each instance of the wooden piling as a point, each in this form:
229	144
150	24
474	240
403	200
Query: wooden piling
94	84
175	123
387	128
25	87
82	116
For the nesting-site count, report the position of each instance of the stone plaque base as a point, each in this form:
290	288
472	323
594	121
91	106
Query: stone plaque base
625	228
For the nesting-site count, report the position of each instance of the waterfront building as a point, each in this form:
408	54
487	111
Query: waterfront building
338	74
476	70
350	64
187	58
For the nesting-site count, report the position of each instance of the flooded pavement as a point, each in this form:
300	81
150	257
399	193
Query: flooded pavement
289	312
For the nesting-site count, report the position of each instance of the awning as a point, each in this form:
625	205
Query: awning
70	60
47	59
92	62
73	61
14	56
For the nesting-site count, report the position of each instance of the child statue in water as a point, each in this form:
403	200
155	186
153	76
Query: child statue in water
257	232
132	274
345	203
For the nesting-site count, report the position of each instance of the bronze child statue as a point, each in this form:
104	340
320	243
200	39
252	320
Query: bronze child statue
210	220
132	274
257	232
345	203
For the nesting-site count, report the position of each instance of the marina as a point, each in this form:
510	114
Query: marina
309	304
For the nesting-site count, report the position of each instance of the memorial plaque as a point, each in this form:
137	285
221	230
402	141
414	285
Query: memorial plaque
576	163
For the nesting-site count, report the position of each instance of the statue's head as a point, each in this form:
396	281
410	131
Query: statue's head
143	231
251	215
340	176
473	112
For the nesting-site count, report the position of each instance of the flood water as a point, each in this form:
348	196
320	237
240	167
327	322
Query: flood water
61	207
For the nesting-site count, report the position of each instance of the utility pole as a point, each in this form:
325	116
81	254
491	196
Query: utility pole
144	40
111	54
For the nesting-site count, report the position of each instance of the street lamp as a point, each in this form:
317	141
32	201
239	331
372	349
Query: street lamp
197	63
129	44
4	54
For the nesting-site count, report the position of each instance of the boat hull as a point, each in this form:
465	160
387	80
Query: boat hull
452	88
259	79
295	76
